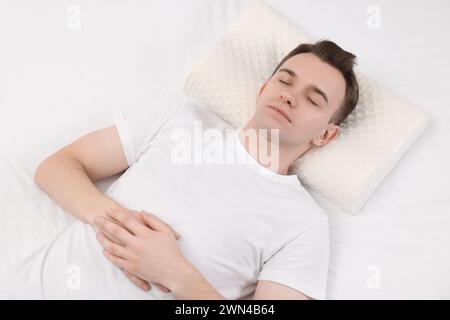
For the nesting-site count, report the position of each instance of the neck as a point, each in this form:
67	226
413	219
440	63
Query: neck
261	147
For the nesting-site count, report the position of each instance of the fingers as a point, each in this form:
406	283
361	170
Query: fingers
157	224
112	247
118	261
111	228
144	285
128	222
162	288
109	236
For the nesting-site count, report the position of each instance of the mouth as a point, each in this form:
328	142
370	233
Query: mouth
282	112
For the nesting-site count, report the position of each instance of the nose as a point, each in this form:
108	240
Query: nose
287	99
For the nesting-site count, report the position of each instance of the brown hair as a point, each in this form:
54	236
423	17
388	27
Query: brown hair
342	60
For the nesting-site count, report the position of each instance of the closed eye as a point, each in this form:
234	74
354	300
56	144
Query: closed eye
312	102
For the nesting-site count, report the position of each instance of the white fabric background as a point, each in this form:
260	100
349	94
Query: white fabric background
57	83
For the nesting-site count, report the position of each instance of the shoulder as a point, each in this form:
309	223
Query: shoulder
190	111
318	214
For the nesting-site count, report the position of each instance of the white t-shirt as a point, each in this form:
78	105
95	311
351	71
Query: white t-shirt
239	223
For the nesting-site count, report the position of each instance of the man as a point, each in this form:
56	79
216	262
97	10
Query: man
242	230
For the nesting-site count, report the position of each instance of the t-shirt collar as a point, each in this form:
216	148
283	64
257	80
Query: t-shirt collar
255	165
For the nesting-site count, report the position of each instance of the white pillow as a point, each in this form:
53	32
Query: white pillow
382	127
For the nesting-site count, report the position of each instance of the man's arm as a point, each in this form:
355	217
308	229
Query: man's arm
269	290
193	286
68	175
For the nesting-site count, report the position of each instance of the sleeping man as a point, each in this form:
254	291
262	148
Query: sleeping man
202	210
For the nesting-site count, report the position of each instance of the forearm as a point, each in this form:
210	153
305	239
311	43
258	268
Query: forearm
67	183
193	286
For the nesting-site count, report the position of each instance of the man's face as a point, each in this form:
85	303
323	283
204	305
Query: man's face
309	98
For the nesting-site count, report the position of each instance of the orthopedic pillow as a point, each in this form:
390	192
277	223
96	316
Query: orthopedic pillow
376	134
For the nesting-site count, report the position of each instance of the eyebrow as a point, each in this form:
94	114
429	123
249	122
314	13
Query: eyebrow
313	87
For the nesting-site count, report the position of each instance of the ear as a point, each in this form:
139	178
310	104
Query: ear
331	133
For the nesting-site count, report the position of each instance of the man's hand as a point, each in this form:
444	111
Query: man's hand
108	236
142	246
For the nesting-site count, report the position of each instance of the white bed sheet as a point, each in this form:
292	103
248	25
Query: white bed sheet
58	83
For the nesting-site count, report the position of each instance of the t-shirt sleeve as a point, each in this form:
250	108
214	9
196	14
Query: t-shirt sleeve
138	128
302	263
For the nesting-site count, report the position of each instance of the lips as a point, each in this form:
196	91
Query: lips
282	112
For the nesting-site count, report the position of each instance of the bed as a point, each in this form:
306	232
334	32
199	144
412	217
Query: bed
65	68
